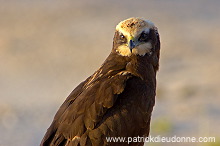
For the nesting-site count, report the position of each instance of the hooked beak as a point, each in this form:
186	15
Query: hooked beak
131	44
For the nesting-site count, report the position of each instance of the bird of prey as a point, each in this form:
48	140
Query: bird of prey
118	99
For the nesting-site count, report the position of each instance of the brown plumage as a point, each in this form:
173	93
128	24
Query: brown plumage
117	100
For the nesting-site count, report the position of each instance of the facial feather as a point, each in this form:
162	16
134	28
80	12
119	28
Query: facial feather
132	29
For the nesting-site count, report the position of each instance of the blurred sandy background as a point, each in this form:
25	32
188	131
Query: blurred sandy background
48	47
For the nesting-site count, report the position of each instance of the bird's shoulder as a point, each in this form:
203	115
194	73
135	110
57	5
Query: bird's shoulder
88	102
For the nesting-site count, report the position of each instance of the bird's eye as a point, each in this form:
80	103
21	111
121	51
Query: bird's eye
122	36
143	37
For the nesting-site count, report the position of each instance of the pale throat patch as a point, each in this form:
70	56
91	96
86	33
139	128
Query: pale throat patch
141	50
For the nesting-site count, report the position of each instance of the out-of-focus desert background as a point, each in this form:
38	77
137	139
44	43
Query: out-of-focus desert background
48	47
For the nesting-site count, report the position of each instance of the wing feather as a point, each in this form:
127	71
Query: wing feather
85	106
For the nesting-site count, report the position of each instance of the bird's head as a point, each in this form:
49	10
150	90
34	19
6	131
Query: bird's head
135	36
